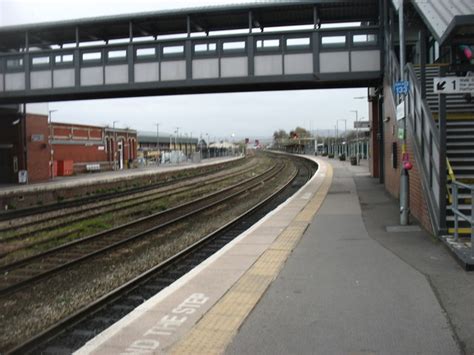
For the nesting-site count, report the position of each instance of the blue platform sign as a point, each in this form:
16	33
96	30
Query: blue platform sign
401	87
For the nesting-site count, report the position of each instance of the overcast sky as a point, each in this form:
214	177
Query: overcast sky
255	114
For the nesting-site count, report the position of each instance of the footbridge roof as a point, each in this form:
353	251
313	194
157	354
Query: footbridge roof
446	19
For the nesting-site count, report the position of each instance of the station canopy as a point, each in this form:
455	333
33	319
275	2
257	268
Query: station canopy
447	19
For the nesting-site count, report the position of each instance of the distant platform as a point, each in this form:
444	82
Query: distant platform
104	177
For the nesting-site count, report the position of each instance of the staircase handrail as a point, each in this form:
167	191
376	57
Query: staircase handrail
458	214
452	177
425	136
424	104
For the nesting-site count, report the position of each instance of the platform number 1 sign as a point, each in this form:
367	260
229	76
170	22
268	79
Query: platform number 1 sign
453	85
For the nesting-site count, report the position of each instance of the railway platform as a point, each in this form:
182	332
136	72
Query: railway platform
61	182
328	272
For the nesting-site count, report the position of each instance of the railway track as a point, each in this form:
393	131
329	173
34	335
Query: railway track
29	270
72	332
68	218
14	216
16	220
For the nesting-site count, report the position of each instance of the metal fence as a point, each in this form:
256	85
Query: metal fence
426	139
456	185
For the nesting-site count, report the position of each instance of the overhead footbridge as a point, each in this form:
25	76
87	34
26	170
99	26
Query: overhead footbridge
257	46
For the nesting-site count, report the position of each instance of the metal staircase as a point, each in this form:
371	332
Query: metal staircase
459	146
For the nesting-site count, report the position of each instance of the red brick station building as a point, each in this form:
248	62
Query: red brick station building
32	149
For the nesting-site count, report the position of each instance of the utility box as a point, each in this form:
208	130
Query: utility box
65	167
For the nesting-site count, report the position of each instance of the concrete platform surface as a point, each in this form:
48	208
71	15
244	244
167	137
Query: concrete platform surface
343	292
320	275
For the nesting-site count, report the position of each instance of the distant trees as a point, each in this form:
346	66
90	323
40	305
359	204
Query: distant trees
279	135
300	132
296	133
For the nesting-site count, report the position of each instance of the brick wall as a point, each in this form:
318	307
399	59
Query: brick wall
418	207
79	143
66	131
10	147
79	153
374	157
37	146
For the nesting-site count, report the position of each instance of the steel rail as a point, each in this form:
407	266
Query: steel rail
67	323
12	214
109	207
110	243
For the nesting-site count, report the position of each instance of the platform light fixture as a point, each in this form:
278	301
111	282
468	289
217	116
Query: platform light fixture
357	136
345	132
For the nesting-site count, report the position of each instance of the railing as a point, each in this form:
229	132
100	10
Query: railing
246	58
458	214
452	178
426	140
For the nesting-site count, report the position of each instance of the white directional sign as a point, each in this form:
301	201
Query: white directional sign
401	110
362	124
453	85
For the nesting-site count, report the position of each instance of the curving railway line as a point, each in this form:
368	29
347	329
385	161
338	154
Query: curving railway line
70	331
28	270
14	218
64	225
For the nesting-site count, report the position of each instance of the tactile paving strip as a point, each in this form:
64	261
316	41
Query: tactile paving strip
215	330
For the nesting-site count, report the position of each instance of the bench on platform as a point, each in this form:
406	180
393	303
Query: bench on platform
92	167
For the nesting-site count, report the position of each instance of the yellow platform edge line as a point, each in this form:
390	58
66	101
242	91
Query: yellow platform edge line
216	329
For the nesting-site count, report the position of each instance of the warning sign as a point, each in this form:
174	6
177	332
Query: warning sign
453	85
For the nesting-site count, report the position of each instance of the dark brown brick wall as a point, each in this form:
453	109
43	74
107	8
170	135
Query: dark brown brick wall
374	141
418	207
10	146
38	151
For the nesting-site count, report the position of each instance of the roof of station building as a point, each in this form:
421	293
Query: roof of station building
150	137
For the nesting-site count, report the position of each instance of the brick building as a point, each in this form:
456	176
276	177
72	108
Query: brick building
93	147
24	143
11	142
28	143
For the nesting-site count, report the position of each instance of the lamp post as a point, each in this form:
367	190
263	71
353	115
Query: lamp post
345	132
176	141
157	143
185	136
51	151
190	143
233	136
115	145
357	135
357	130
200	147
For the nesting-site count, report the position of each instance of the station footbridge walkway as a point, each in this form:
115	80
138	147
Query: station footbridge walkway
328	272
